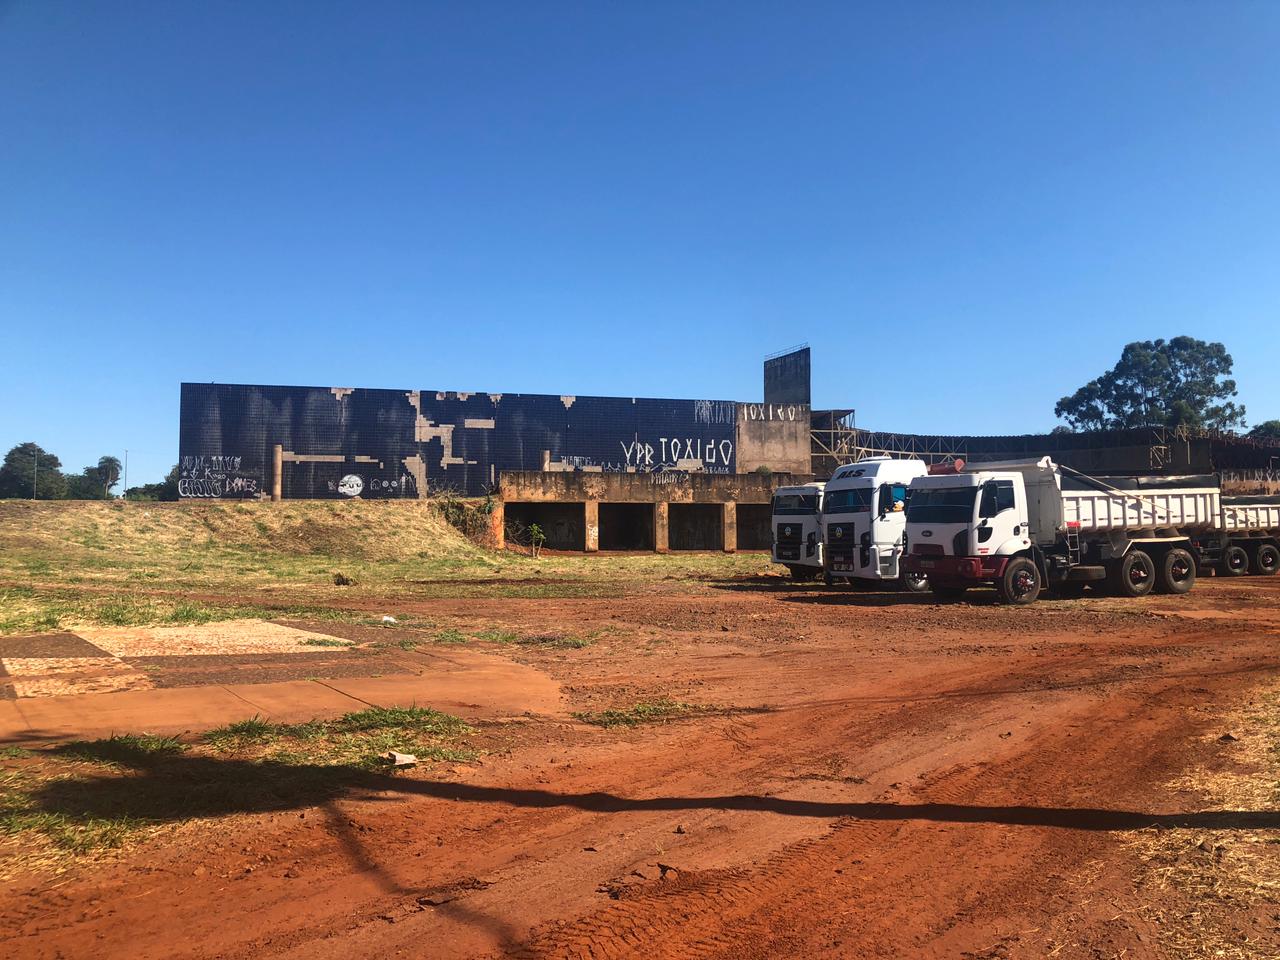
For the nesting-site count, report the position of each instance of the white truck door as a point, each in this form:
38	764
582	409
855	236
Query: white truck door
889	526
999	520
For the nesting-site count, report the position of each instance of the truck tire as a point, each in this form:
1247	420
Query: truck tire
947	591
1176	571
1133	575
1265	560
801	573
913	583
1020	583
1235	562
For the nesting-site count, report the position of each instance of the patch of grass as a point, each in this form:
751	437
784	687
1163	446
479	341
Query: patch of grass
450	636
326	642
556	641
650	711
127	749
498	636
407	643
22	813
14	753
241	734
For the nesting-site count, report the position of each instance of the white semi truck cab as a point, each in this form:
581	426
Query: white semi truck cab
797	529
1024	525
864	518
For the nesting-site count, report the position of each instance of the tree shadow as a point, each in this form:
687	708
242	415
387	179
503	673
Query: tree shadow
167	788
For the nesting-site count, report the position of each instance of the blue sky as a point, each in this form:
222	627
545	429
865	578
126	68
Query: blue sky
966	209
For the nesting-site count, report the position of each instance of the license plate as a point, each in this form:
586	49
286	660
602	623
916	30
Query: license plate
928	564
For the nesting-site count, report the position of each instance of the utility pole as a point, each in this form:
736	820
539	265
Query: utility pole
125	493
35	465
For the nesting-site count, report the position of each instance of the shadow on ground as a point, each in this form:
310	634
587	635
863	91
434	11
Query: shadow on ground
174	787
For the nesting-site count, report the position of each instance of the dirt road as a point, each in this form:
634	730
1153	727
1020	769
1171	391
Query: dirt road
881	777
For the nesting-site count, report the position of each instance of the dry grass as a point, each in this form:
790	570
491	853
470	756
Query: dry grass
1220	874
125	564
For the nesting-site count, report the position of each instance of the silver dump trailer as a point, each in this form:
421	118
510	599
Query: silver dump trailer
1245	540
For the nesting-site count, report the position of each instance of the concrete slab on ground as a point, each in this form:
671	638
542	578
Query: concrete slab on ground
473	685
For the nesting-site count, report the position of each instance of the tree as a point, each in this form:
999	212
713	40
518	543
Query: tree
28	462
165	490
85	485
1178	382
108	473
1267	430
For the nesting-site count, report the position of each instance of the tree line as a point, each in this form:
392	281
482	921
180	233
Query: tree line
29	471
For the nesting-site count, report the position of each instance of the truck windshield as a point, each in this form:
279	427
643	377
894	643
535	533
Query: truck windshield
794	503
857	500
941	505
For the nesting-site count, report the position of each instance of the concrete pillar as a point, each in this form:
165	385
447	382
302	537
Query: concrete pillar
498	525
729	524
661	522
277	473
592	512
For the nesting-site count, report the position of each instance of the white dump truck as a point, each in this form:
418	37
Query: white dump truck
863	520
1024	525
797	529
1245	540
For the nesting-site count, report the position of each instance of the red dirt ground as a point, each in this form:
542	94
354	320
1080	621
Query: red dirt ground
890	777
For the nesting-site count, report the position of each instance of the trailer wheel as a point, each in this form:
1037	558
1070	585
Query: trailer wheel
947	591
1133	575
1177	571
914	583
1235	562
1020	583
1265	560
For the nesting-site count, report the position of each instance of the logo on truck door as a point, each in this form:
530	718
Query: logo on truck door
926	533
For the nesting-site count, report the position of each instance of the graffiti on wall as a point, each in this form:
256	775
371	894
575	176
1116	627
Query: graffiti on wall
215	478
425	441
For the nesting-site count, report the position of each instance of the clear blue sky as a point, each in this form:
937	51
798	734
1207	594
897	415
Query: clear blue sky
966	208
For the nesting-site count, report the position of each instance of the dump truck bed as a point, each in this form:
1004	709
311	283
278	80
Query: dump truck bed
1242	514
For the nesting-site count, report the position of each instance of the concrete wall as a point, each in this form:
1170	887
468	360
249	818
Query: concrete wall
786	378
719	495
774	435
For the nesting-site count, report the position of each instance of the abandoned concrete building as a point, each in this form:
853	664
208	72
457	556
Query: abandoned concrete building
610	473
594	473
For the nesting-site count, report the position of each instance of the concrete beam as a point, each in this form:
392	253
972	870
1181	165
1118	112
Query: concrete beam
661	524
277	472
592	526
730	527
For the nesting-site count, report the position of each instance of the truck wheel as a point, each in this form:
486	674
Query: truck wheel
947	592
800	573
1266	560
1020	583
913	583
1133	575
1235	562
1176	572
